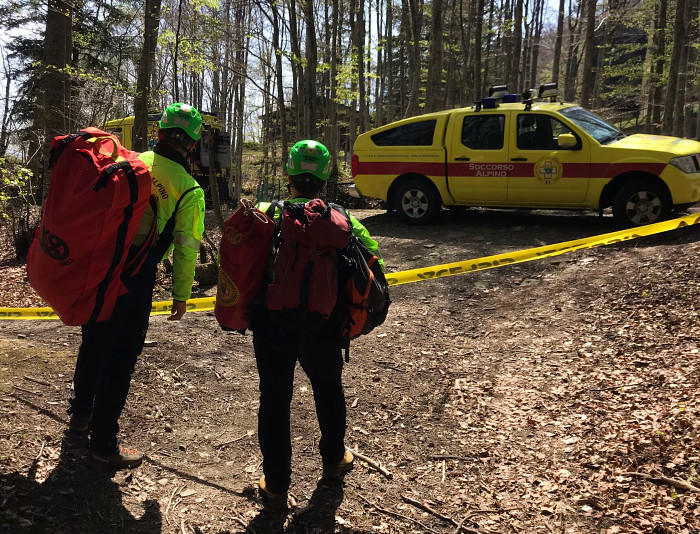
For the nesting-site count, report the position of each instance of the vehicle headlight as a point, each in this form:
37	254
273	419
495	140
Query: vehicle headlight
688	164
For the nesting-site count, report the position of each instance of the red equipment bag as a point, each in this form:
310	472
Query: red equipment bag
304	285
244	251
97	196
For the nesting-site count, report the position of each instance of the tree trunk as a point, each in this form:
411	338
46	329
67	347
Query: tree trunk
433	95
52	112
538	17
679	105
414	63
334	137
480	90
679	38
660	53
389	63
516	52
148	52
311	63
403	56
361	82
589	46
281	108
556	62
176	89
297	71
352	120
7	109
380	87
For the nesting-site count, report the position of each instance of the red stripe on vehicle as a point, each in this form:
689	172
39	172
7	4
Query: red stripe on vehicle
570	170
401	167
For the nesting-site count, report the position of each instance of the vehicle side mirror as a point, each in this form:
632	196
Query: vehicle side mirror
566	140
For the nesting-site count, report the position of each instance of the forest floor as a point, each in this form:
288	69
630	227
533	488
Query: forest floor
555	396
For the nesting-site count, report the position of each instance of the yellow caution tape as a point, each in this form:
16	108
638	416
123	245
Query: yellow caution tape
519	256
430	273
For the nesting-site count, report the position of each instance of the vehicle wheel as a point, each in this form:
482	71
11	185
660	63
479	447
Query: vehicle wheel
417	202
639	203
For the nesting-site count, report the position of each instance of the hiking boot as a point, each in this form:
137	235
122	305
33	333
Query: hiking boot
272	501
338	470
79	423
123	458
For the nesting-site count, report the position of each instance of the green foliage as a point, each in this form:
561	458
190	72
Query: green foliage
17	204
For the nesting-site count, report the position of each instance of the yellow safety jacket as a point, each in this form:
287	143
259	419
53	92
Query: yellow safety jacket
169	180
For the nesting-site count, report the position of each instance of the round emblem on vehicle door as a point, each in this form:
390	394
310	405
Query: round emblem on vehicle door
227	293
548	170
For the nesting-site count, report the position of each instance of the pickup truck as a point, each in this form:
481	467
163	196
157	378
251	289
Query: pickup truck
524	153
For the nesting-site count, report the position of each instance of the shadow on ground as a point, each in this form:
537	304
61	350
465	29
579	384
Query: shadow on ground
318	517
76	497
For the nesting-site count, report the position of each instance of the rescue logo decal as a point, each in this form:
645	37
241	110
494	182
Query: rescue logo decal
548	170
227	293
232	235
53	246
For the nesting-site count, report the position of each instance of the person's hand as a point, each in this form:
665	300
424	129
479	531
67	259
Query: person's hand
178	310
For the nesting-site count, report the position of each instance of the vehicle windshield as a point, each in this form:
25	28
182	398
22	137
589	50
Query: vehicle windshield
593	125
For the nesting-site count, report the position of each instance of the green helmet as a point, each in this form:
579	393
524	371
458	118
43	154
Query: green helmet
183	116
309	156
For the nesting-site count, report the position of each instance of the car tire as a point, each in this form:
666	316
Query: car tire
417	202
640	202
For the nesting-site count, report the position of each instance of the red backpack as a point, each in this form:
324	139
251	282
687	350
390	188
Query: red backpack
244	252
303	290
97	196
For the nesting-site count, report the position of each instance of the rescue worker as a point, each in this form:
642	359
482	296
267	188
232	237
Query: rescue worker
319	352
109	349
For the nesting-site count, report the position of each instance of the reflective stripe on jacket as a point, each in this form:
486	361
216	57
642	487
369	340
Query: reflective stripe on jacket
168	181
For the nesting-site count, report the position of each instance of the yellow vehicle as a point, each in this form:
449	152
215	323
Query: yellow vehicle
524	152
123	128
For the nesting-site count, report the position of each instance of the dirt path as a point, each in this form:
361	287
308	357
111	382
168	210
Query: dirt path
512	400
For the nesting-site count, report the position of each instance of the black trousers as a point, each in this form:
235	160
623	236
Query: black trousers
106	360
320	356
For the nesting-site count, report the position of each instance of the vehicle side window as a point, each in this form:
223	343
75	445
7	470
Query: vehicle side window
483	132
413	134
539	132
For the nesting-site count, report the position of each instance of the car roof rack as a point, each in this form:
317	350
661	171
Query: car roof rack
546	90
497	94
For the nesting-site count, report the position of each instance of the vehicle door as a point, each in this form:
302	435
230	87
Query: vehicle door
477	157
545	173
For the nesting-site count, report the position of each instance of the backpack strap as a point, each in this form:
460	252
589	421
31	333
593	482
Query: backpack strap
67	140
346	336
136	260
270	211
121	232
